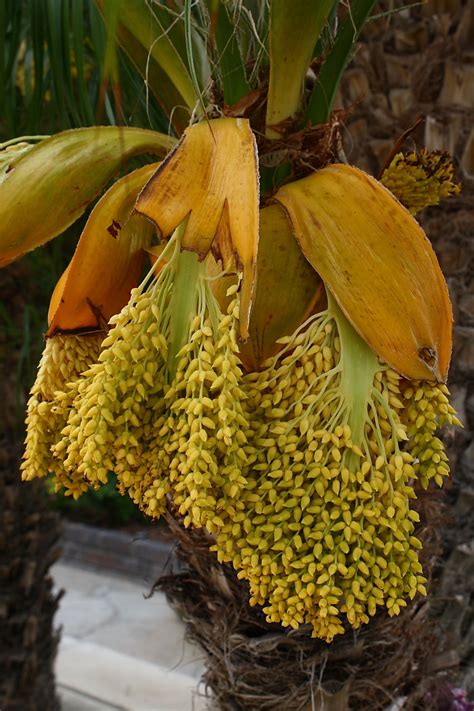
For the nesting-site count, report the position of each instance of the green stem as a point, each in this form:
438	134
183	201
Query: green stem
183	302
358	367
18	139
234	80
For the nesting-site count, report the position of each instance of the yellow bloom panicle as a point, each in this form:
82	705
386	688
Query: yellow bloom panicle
205	434
166	424
427	409
306	472
64	359
119	397
420	179
327	527
108	424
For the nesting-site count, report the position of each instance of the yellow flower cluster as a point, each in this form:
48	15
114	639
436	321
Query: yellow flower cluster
166	425
205	434
111	414
327	527
63	360
305	473
426	409
420	179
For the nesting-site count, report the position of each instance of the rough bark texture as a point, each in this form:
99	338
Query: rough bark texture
419	64
28	548
29	535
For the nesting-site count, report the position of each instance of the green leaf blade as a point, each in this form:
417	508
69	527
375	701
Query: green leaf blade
327	83
295	26
143	23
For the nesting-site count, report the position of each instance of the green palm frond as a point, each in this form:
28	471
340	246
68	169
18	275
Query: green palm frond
51	61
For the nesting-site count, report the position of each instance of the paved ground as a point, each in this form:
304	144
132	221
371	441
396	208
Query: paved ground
119	650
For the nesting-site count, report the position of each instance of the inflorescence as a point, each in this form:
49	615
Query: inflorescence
420	179
327	527
166	425
305	473
63	360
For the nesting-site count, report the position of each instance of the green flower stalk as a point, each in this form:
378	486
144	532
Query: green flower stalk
13	149
205	433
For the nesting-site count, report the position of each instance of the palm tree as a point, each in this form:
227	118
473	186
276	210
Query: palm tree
281	422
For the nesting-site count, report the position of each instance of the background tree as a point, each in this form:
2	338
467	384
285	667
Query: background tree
416	64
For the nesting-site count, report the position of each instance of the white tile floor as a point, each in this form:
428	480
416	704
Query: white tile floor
120	650
72	700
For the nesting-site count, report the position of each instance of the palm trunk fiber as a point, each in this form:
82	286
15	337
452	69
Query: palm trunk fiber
29	535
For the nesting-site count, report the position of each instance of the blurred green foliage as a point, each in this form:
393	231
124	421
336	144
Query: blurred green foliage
51	55
104	507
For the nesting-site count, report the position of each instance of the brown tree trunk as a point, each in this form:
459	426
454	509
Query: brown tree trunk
29	535
418	63
28	547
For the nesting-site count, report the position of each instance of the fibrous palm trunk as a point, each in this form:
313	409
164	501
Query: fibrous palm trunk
28	545
256	666
29	535
418	63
